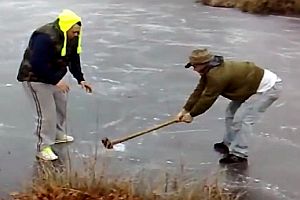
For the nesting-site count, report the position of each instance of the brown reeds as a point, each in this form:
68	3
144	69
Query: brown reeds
51	183
283	7
97	177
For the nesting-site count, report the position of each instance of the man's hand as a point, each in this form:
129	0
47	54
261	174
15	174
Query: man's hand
86	86
62	86
180	114
187	118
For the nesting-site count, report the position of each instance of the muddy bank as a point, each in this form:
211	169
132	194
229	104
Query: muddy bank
280	7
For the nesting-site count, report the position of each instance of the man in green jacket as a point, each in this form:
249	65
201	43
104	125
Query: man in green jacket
250	88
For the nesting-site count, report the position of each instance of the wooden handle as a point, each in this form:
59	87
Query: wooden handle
144	132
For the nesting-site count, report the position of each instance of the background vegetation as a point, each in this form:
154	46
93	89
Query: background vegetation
282	7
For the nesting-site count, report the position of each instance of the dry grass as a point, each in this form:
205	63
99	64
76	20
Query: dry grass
283	7
268	6
104	177
59	184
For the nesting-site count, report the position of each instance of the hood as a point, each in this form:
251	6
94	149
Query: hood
66	19
216	61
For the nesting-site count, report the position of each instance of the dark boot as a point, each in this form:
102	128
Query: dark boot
221	148
232	159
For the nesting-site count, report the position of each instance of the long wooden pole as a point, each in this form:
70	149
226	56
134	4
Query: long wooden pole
108	144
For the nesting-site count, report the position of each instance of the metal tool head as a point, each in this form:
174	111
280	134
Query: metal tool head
107	143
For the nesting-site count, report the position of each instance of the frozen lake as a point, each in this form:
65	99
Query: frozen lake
133	54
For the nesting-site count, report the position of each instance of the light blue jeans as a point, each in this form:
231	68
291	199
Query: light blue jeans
241	116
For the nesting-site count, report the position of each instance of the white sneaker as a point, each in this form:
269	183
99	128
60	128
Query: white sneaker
47	154
64	138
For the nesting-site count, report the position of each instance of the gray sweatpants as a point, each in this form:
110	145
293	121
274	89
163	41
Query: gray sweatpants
50	105
241	116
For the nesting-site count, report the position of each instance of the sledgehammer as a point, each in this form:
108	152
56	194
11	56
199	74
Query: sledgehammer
110	143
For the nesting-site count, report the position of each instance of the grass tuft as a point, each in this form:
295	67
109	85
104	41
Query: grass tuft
53	184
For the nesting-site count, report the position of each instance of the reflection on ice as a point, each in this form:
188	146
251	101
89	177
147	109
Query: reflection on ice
279	140
169	162
293	129
6	85
2	125
112	123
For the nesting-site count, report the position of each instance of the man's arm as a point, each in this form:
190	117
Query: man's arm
194	97
75	67
212	91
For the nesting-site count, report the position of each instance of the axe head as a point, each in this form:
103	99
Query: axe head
107	143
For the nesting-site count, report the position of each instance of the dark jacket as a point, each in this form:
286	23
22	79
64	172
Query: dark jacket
233	80
42	60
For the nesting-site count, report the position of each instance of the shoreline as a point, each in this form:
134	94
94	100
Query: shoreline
288	8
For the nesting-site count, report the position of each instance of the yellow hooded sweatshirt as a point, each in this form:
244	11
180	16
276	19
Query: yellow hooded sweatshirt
67	19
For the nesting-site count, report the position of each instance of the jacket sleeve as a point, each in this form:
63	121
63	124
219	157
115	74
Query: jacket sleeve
193	98
75	67
41	56
209	95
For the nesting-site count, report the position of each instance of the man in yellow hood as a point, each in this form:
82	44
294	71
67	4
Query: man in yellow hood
52	50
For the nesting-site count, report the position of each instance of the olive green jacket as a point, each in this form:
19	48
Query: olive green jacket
236	81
